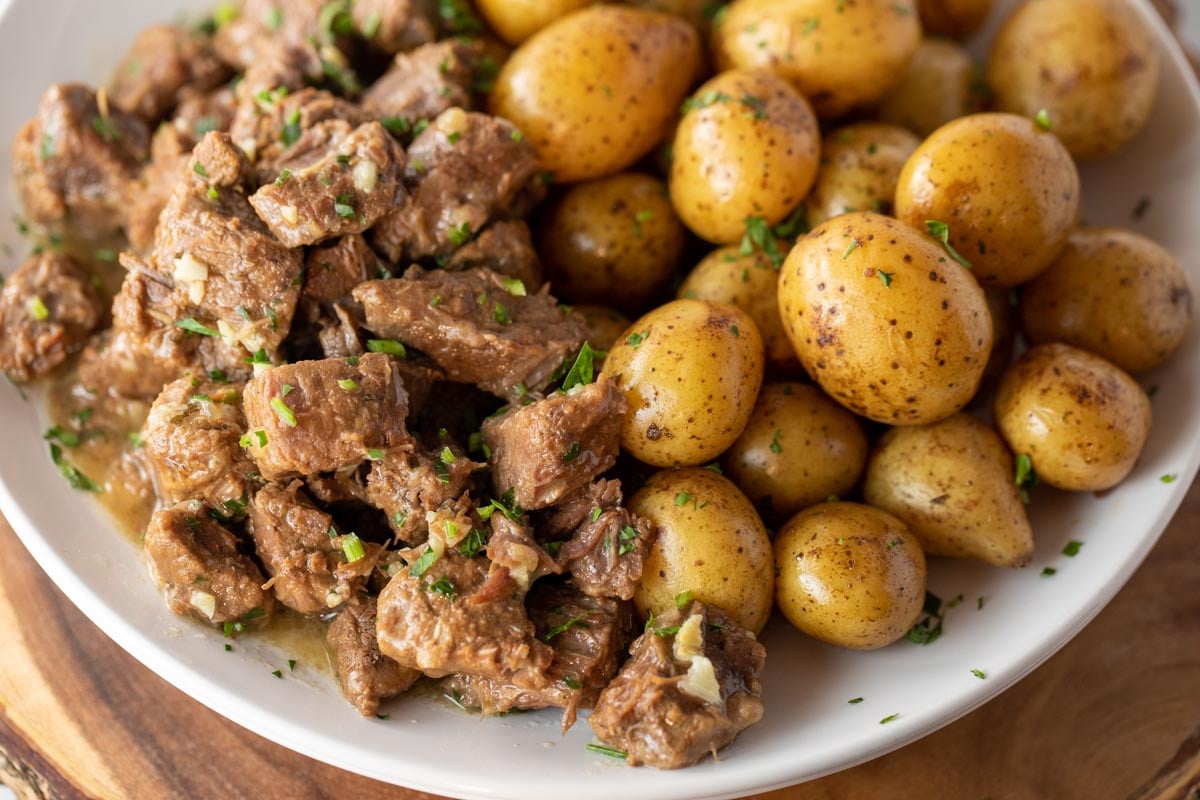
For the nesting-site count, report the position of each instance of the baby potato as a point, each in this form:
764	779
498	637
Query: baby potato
1091	64
604	325
800	448
860	165
839	55
849	575
516	20
941	83
710	543
1081	420
1113	293
952	484
747	146
613	240
598	89
954	18
1007	189
887	324
691	371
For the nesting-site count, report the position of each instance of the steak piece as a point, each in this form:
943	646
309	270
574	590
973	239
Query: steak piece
196	563
689	688
47	309
607	553
367	676
517	559
277	126
563	518
409	485
422	84
322	416
262	26
161	62
503	247
338	336
396	25
473	328
333	269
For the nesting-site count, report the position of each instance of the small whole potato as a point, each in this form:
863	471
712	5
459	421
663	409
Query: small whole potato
887	324
849	575
1080	419
1091	64
800	448
952	484
1113	293
839	55
941	83
710	543
1007	189
598	89
860	165
604	325
955	18
747	146
613	240
691	371
516	20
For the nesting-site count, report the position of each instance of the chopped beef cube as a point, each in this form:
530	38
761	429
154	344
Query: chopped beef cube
162	60
606	554
396	25
517	560
408	485
262	26
563	518
287	130
503	247
333	269
322	416
424	83
347	485
339	333
419	380
170	152
367	676
77	161
47	309
689	688
550	448
196	563
258	117
473	328
200	112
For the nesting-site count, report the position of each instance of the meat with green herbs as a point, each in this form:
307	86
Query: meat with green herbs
407	485
423	83
367	675
162	62
396	25
505	247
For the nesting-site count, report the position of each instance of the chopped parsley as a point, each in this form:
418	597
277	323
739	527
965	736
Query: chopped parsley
941	231
459	234
283	177
704	100
343	204
278	673
375	454
583	371
572	453
284	412
978	673
929	628
75	478
514	286
135	440
1042	119
605	750
348	384
638	218
889	718
854	245
1169	478
199	169
635	340
627	536
501	315
423	563
1072	548
597	512
759	235
1048	572
776	447
886	277
37	309
106	128
192	326
854	701
474	544
389	347
566	626
1026	478
683	498
445	587
683	600
291	129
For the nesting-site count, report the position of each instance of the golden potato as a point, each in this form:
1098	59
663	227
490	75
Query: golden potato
604	325
887	324
1007	189
952	484
941	83
747	146
954	18
614	241
800	448
1113	293
1081	420
517	20
1091	64
598	89
849	574
860	165
710	543
839	55
691	371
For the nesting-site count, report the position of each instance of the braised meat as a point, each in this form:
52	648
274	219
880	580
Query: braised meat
517	560
422	84
367	676
606	554
261	26
339	334
291	129
161	62
333	269
396	25
504	247
408	485
560	520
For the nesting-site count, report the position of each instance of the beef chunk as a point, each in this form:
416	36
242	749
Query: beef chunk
367	676
408	485
419	379
290	130
473	328
162	60
200	112
685	694
550	448
322	416
262	26
564	517
517	560
424	83
341	188
503	247
343	486
170	151
77	160
47	309
333	269
339	333
196	563
396	25
606	555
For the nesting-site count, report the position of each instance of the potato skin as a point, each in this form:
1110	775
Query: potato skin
516	20
906	352
1113	293
1008	190
604	325
954	18
752	153
598	89
849	575
838	56
710	543
1080	419
952	484
691	371
799	449
860	166
940	84
1092	64
613	240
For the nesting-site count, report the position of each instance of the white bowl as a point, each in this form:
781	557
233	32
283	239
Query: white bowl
809	729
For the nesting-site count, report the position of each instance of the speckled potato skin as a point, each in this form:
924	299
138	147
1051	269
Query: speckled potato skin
1008	190
940	84
691	371
598	89
710	543
799	449
860	165
954	18
838	56
514	21
1081	420
735	159
614	241
750	282
1113	293
604	325
1092	64
952	484
908	353
849	575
